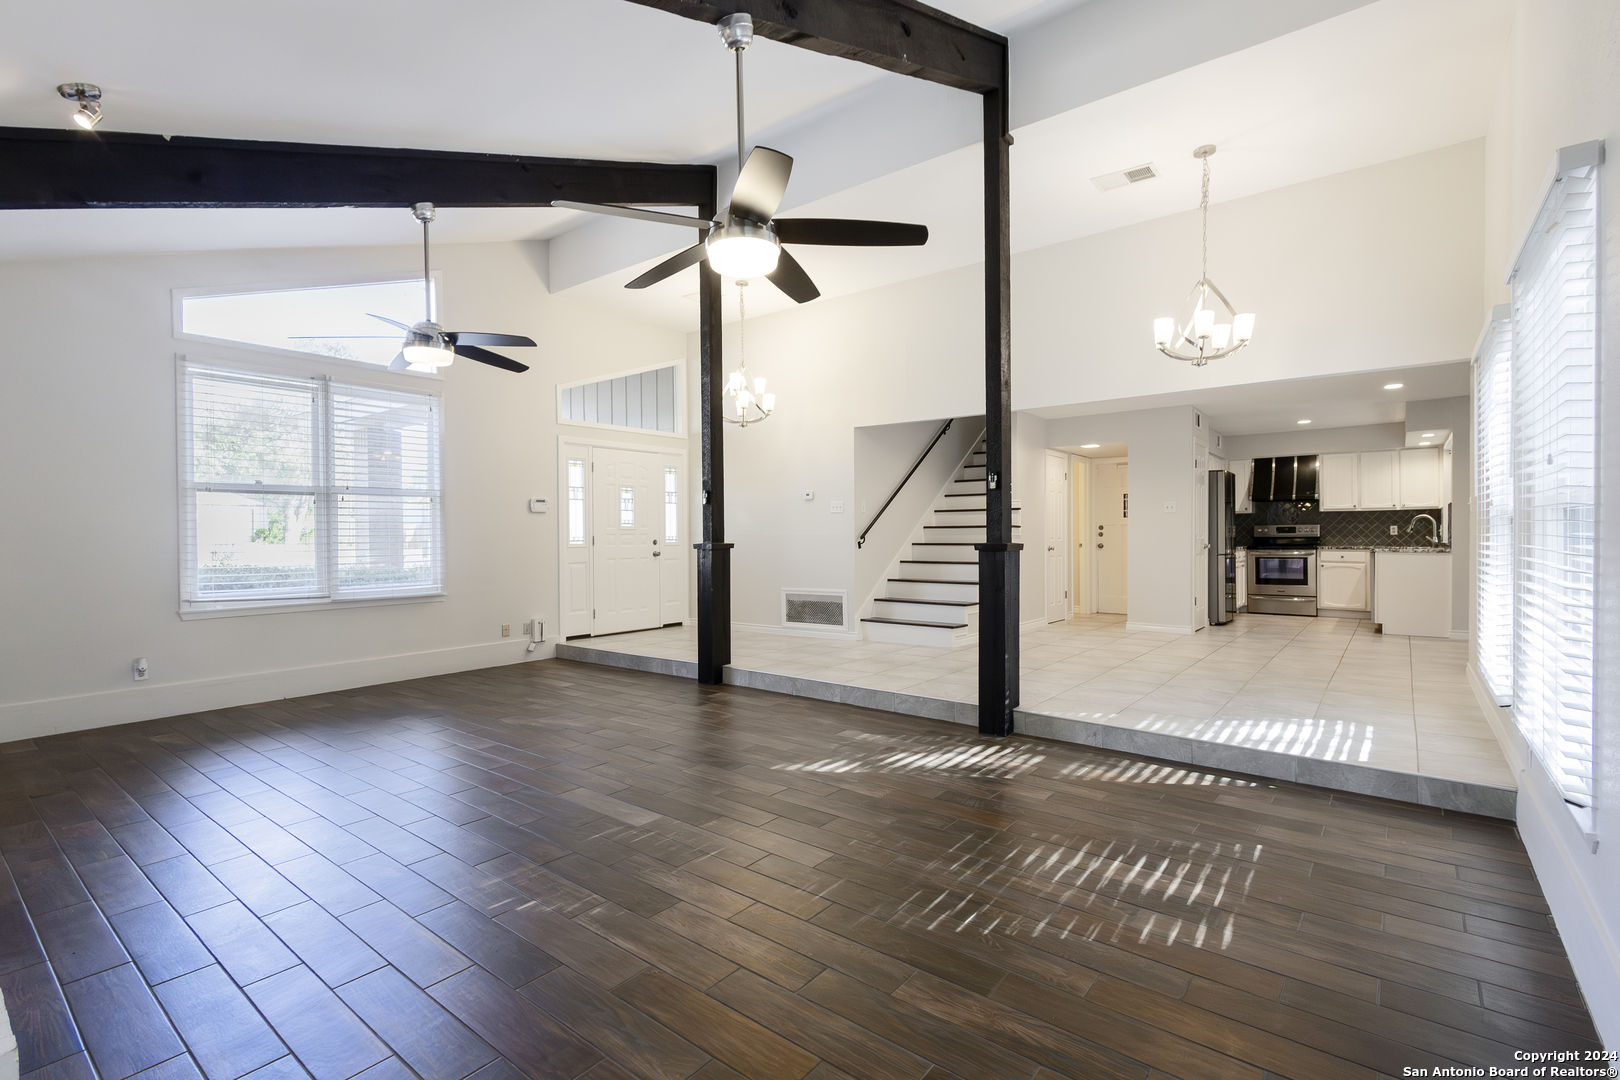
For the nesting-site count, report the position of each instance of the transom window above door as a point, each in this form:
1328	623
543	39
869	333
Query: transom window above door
641	400
333	320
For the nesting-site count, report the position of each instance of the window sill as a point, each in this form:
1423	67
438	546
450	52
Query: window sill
1586	821
271	607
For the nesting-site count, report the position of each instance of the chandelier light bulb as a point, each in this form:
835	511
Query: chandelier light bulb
735	383
1163	331
1221	335
759	387
1243	327
1203	323
768	402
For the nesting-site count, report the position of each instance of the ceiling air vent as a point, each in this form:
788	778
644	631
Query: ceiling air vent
1125	177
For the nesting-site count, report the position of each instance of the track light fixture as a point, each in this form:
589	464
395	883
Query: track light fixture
88	95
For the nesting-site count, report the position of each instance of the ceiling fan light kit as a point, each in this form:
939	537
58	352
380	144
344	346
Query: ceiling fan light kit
427	344
1197	338
88	95
745	239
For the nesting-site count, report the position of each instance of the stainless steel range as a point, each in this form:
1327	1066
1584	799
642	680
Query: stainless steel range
1282	569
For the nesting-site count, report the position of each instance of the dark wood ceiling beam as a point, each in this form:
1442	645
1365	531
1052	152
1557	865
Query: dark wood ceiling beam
50	169
895	35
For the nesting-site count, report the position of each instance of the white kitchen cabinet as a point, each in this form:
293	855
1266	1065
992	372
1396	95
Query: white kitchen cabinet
1242	473
1342	579
1378	474
1412	593
1338	481
1421	486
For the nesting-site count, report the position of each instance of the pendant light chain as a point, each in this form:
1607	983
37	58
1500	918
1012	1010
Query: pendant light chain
742	321
1205	205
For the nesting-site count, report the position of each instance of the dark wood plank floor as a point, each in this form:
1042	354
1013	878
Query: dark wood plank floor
560	870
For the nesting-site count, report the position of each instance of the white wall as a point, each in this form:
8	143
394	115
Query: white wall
1345	440
89	542
1159	579
1563	87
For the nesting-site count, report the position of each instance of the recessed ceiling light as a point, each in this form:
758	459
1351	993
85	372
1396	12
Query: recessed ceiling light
1090	446
1428	434
1301	421
1393	385
1423	444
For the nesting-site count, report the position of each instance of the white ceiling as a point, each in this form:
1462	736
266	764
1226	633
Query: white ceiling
1330	401
612	79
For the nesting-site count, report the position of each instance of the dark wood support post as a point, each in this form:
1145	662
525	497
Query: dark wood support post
998	555
714	554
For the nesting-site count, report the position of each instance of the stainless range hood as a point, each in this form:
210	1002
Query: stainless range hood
1284	479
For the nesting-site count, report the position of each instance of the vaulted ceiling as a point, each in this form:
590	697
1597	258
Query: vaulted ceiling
1289	89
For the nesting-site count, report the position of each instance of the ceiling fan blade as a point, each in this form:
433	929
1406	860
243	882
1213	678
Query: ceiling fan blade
761	184
790	277
390	322
484	356
399	363
848	232
465	337
635	213
670	266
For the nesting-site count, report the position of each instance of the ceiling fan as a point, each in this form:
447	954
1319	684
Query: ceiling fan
429	345
746	240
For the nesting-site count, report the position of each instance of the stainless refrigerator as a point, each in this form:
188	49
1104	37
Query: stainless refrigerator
1222	548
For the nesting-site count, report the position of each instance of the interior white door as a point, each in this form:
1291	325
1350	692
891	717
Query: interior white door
1110	514
1057	536
627	516
1200	538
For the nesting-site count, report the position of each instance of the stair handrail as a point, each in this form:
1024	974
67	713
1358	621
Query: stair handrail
860	541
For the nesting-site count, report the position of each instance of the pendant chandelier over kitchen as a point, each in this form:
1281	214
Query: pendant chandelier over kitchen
751	403
1195	336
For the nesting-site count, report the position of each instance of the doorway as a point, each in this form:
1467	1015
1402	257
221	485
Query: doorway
622	549
1057	536
1110	516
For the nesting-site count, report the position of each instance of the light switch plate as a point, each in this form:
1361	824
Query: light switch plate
1394	530
837	506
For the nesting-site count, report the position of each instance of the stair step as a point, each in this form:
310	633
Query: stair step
916	622
919	600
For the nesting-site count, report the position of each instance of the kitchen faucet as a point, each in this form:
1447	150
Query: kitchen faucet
1435	538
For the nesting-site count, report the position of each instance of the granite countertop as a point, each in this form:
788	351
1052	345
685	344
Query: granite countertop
1442	549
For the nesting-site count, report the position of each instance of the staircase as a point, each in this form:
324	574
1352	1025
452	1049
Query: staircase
933	597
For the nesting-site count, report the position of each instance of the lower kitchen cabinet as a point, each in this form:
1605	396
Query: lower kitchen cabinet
1343	579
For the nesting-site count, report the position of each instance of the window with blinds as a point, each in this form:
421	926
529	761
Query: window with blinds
304	489
1553	446
644	400
1493	508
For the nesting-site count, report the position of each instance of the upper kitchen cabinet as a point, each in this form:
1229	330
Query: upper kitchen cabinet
1242	473
1380	480
1339	482
1422	487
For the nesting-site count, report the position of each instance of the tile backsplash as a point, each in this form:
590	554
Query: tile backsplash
1340	528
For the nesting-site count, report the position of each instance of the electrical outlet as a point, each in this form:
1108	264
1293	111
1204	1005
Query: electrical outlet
1394	530
140	669
506	629
528	628
837	507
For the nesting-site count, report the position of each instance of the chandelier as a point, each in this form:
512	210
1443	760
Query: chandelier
751	404
1196	337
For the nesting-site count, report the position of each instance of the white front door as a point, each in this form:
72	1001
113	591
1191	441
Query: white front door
1057	536
627	489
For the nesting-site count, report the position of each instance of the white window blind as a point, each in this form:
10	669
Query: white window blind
306	490
1554	435
1493	509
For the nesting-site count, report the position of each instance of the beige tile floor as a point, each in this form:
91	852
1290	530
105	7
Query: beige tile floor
1321	688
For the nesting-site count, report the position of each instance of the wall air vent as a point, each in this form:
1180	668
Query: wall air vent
817	609
1125	177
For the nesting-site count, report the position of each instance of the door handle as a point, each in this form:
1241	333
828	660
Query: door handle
657	554
1099	545
1049	547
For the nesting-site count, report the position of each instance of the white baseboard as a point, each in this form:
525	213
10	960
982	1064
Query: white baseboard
1157	628
153	699
1459	635
1033	624
798	631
